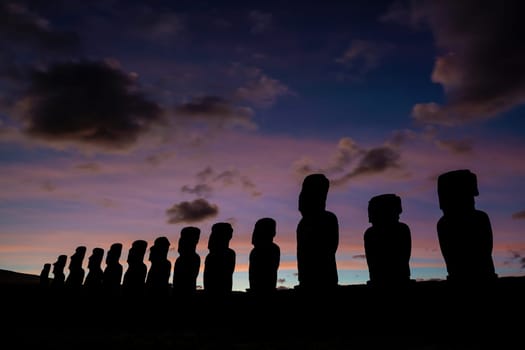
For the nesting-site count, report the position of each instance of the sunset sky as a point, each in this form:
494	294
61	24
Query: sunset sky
126	120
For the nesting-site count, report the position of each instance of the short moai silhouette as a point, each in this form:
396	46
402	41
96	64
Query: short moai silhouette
317	237
95	273
464	232
264	258
187	264
75	278
158	277
388	242
59	276
219	263
135	276
44	276
112	276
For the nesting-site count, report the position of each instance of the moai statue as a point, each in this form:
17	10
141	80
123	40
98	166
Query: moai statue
388	242
187	264
75	279
264	258
317	237
219	264
135	276
59	276
464	233
157	280
112	276
95	273
44	276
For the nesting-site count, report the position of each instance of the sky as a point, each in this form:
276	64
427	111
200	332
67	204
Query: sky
126	120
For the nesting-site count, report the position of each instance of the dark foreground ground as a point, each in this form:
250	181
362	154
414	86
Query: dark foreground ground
426	315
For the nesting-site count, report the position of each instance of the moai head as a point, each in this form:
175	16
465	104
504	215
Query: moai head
314	192
456	190
384	208
220	236
96	258
137	252
264	231
78	257
159	250
60	264
114	253
188	240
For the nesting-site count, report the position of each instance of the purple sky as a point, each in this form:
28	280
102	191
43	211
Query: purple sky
125	120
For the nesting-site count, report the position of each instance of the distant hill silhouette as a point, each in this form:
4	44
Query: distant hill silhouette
16	278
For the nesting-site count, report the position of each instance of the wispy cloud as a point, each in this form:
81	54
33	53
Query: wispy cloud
363	55
216	111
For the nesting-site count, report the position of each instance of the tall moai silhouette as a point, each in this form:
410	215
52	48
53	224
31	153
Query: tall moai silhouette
317	237
464	232
95	273
112	276
59	276
187	265
264	257
44	276
219	263
157	280
75	278
135	276
388	242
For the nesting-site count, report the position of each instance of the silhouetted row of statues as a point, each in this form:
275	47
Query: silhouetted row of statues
464	234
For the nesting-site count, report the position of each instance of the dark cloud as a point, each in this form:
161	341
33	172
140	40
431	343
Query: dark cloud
481	55
190	212
216	111
86	102
359	256
520	215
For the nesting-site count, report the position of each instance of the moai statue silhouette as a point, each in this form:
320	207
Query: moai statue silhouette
44	276
219	264
317	237
264	258
95	273
464	233
59	276
187	264
75	278
112	277
157	280
135	276
388	242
